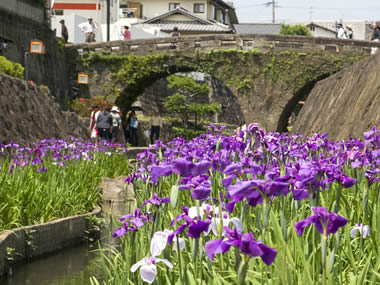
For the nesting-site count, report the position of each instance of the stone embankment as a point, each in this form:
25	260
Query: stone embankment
345	104
29	113
38	240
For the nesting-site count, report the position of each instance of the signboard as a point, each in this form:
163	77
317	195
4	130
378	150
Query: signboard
37	46
83	78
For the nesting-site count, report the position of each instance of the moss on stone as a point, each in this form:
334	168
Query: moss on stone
238	69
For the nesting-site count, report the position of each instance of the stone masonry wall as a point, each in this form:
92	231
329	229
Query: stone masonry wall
29	113
345	104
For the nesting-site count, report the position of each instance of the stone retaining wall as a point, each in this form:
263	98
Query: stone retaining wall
38	240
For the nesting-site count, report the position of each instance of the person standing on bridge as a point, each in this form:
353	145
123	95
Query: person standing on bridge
64	32
341	32
126	33
89	29
175	33
349	32
375	32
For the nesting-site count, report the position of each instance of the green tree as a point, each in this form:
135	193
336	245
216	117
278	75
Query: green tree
296	30
180	103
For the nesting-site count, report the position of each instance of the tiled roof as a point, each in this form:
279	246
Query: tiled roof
258	29
185	27
197	25
178	10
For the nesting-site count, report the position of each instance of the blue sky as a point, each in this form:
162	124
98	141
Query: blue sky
253	11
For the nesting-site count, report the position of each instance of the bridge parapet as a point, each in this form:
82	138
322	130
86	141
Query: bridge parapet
226	41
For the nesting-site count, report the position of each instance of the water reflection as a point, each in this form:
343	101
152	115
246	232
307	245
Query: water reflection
73	266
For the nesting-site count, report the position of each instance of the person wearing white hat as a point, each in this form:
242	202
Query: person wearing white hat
116	123
89	29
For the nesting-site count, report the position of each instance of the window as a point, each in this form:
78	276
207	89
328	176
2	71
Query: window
172	6
199	8
215	13
312	28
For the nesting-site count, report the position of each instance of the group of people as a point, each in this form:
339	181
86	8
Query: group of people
89	29
345	33
106	124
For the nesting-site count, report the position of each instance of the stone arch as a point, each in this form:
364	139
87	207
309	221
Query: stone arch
266	84
293	106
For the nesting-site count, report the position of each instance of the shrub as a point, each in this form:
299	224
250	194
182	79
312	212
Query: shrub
296	30
82	106
11	68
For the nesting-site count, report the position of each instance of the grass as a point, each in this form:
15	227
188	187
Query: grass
33	193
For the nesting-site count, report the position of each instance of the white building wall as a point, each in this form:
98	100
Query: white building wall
318	32
360	27
153	8
75	33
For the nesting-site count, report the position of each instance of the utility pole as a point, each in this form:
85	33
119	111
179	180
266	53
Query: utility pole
108	20
273	11
311	13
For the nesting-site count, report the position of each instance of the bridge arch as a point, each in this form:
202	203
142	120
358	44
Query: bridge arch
267	81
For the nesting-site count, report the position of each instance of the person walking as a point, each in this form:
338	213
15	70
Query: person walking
175	33
126	33
116	123
104	124
89	29
375	32
133	124
64	32
341	32
156	123
94	134
349	32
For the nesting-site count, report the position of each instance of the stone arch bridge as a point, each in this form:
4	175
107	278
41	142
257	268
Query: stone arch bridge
267	74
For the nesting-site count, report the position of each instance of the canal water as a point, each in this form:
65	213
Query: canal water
72	266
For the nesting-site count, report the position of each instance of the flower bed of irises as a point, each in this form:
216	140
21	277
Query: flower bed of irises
253	208
54	178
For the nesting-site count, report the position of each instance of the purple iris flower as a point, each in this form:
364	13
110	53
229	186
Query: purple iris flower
43	168
156	200
346	181
232	168
254	190
326	223
201	193
245	242
195	226
137	220
186	168
162	170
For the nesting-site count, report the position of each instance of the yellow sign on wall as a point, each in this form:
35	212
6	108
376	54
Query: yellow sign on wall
83	78
37	46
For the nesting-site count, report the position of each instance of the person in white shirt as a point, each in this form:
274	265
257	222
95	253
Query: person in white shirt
89	29
156	124
92	127
341	32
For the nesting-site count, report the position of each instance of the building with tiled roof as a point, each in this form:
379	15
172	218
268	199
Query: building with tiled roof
152	16
187	23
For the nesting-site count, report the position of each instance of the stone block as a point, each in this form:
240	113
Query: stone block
331	48
116	189
211	43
